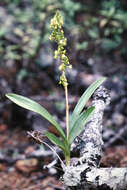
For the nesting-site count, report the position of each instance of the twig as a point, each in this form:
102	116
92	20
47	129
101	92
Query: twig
37	138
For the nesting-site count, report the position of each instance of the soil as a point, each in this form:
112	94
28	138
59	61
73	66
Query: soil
19	171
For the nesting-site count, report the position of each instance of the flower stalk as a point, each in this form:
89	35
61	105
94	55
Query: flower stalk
67	112
57	35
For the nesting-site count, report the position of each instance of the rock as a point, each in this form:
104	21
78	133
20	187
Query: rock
88	79
118	119
47	181
123	162
3	128
27	166
29	150
2	167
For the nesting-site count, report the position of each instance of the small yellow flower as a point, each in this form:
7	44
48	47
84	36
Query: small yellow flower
56	54
57	35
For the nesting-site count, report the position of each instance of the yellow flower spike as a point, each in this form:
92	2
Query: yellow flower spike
57	35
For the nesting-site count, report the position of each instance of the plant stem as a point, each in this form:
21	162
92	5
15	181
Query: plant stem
67	112
67	158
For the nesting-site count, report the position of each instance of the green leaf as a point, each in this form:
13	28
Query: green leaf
83	100
80	122
35	107
54	139
63	145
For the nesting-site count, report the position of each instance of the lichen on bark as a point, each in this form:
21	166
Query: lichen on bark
84	172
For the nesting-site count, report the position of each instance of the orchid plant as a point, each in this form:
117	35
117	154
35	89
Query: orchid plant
77	120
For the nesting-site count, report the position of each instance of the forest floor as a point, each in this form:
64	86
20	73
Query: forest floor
21	168
17	173
21	160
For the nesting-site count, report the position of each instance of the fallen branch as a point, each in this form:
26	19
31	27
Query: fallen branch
84	173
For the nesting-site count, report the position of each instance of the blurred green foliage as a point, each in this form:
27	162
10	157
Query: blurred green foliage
106	26
115	23
24	27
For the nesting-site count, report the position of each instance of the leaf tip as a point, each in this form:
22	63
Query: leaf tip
104	78
7	95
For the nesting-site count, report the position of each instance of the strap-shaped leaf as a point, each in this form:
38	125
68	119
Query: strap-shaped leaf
54	139
83	100
80	122
35	107
63	145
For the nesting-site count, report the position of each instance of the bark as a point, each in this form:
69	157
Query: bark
84	173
